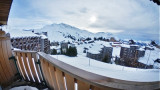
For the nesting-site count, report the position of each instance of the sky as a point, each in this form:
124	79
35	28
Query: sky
132	19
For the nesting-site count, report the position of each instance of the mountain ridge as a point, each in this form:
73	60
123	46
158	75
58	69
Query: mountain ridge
61	31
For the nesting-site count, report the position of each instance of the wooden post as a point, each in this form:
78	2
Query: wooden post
7	67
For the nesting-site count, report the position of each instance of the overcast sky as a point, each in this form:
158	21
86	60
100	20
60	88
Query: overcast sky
134	18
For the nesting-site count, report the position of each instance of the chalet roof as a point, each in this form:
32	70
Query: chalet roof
5	6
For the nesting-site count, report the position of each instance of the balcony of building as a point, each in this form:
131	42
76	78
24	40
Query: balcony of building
42	69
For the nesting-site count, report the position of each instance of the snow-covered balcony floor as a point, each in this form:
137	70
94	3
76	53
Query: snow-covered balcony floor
111	70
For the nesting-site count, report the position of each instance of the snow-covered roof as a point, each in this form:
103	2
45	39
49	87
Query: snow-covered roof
43	37
134	45
55	47
150	56
107	44
125	45
21	33
95	49
141	49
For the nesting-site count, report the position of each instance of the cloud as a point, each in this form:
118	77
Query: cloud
138	17
83	10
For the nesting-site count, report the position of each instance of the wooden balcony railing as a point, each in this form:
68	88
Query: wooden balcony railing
40	67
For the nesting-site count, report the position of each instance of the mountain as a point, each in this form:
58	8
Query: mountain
61	32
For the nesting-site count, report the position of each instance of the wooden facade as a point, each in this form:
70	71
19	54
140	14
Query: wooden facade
5	6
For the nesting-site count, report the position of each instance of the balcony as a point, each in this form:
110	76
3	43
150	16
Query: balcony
41	68
38	67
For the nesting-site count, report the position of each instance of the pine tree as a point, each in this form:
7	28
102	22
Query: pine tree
54	52
106	59
72	51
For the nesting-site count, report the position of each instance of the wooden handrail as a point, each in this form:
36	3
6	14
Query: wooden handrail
59	76
98	80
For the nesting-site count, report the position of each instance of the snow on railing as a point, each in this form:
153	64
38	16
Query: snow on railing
57	75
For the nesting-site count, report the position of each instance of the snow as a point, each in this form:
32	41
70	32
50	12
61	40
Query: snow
24	88
21	33
116	51
125	45
150	56
43	37
59	32
111	70
95	49
55	47
141	49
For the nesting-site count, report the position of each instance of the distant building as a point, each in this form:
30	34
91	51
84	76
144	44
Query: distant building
72	45
107	50
149	48
45	33
97	56
54	43
116	44
27	43
30	41
131	52
57	48
45	44
100	53
64	47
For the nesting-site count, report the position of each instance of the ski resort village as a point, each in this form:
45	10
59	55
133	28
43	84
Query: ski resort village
96	45
62	40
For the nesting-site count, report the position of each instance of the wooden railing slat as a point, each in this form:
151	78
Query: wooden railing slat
4	65
5	55
2	74
44	71
82	85
29	55
21	65
98	88
27	67
37	66
60	79
70	82
9	51
48	77
53	77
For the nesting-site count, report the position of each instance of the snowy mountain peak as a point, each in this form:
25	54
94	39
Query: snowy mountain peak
63	32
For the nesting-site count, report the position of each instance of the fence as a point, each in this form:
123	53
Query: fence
42	68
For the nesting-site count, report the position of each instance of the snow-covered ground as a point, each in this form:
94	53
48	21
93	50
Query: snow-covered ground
150	56
111	70
24	88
